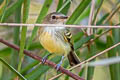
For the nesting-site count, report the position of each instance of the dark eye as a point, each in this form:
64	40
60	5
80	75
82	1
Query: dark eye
53	17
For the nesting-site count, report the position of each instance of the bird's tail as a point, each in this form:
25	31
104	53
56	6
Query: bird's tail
73	58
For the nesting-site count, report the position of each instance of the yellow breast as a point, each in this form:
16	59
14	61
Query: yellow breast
54	44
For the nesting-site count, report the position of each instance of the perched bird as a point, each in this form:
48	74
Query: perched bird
57	40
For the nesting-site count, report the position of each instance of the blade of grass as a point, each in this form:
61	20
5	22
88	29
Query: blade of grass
12	69
23	32
40	70
82	16
108	16
116	38
91	12
83	40
22	45
112	13
3	8
28	67
82	6
90	70
11	9
14	56
77	36
42	14
60	3
91	48
89	31
5	52
65	7
95	16
102	19
113	68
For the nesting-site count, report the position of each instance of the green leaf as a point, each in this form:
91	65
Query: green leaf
28	67
83	15
12	69
14	55
40	70
98	9
22	45
102	19
12	9
60	3
5	52
114	69
116	38
65	7
82	41
26	10
92	52
37	72
101	45
3	7
78	36
78	11
23	32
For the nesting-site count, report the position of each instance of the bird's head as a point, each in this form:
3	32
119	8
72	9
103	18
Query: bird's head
55	18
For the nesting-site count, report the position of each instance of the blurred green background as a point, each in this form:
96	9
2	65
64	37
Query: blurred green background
106	12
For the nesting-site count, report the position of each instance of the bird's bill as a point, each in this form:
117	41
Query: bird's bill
62	17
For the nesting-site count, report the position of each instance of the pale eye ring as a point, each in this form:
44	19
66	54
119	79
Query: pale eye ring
53	17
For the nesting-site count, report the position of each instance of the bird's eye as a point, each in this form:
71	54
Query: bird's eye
53	17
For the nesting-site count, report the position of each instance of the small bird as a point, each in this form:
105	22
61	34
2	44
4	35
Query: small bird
57	40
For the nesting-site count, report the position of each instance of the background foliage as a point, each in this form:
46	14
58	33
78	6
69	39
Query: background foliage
106	12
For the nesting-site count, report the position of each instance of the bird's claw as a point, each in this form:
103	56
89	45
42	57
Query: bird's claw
58	66
44	59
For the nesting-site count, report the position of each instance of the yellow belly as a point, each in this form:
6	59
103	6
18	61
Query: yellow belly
54	46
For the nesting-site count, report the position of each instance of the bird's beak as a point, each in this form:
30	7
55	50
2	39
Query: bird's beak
62	17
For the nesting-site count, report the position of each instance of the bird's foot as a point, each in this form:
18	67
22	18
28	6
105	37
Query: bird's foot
45	58
58	66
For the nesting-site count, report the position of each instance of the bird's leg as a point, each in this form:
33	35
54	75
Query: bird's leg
45	58
58	65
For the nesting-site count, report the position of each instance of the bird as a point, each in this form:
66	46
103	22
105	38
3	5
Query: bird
57	40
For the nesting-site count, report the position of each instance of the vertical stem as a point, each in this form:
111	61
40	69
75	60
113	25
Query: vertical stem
89	30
